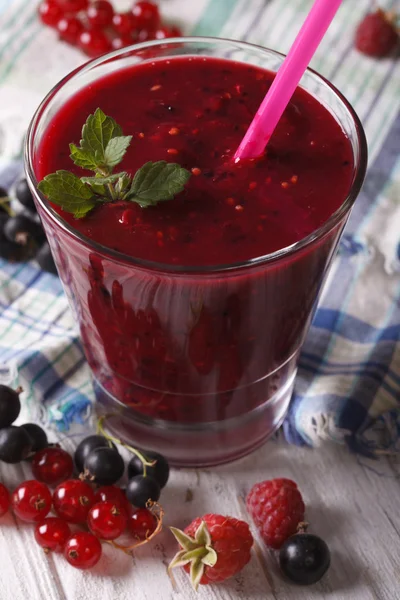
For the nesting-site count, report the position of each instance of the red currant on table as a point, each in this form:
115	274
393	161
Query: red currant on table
69	29
124	23
94	42
100	14
114	494
52	534
4	499
107	520
72	6
52	465
146	14
142	523
82	550
72	500
50	12
31	501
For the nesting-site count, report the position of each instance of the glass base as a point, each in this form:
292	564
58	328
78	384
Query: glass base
195	444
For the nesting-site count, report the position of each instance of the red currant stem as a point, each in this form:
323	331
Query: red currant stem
158	513
19	389
5	203
302	527
110	438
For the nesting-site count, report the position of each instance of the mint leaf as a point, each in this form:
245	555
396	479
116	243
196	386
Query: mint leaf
69	192
122	185
99	180
157	182
83	158
116	149
96	134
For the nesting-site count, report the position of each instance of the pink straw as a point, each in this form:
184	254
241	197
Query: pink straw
287	78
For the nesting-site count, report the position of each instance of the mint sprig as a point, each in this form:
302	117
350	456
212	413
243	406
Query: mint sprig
102	148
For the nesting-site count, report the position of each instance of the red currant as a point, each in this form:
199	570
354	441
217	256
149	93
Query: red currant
175	31
82	550
31	501
144	35
162	33
50	12
114	494
52	465
121	42
124	23
69	29
142	523
146	14
72	6
52	534
4	499
94	42
107	520
72	500
100	14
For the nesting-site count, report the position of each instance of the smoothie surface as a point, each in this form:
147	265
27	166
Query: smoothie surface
195	111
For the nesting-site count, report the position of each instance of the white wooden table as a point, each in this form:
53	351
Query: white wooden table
352	503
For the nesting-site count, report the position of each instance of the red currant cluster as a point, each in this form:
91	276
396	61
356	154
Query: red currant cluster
92	501
97	29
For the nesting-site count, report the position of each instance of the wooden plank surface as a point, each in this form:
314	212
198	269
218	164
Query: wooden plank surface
352	503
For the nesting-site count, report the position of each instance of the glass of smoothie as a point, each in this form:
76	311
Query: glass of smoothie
192	312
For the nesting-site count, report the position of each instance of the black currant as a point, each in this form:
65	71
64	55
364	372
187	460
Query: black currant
86	446
104	466
46	260
10	405
24	194
304	558
159	472
22	230
15	444
38	436
9	250
140	489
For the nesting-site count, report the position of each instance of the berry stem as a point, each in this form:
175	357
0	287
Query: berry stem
158	512
5	203
110	438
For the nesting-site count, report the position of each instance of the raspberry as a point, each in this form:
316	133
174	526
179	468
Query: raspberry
276	507
376	35
219	547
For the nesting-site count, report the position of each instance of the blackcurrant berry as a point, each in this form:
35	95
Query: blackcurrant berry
85	447
159	472
104	466
25	232
38	436
15	444
10	405
304	558
140	489
24	194
46	260
9	250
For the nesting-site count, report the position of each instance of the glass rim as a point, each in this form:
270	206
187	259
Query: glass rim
358	177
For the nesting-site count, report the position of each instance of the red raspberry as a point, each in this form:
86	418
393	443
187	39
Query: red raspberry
223	545
376	35
276	507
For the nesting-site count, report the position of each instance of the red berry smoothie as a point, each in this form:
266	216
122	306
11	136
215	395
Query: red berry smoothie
181	326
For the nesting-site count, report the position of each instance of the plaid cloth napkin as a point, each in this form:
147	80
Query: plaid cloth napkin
348	385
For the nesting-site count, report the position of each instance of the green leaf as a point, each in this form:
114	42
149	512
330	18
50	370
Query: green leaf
157	182
97	132
116	149
82	158
122	185
68	191
98	180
